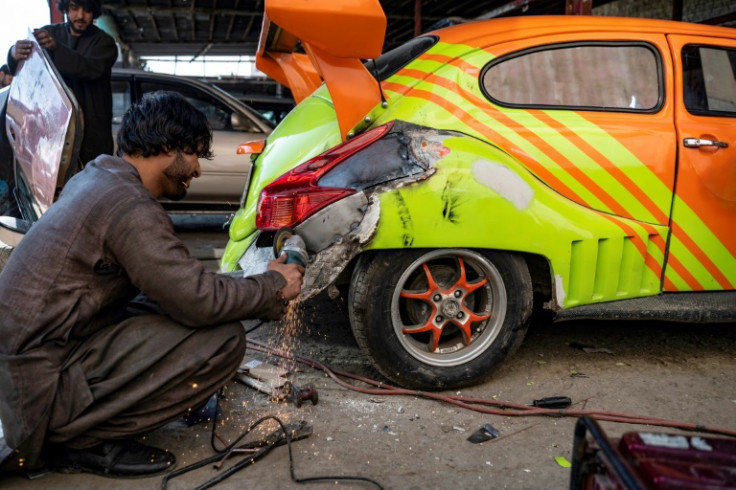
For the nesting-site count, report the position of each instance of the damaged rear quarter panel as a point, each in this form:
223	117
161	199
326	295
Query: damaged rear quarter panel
480	197
339	232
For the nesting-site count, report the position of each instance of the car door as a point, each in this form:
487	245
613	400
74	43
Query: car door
43	122
223	178
702	253
591	114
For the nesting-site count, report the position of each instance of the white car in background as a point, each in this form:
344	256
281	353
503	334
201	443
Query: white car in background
233	123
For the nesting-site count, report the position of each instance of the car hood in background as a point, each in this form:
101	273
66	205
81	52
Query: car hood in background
42	121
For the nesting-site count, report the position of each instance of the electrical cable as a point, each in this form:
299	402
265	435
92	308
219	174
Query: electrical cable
223	454
380	388
484	405
259	324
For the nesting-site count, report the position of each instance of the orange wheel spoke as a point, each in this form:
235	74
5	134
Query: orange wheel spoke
424	295
467	334
434	331
446	307
431	284
462	281
434	341
427	327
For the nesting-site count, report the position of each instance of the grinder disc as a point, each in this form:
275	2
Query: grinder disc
280	238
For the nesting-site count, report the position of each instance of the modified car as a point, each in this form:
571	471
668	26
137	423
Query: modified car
577	164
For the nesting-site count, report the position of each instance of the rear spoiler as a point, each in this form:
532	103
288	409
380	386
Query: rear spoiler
336	36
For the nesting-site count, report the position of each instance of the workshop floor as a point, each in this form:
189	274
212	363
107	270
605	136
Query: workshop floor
681	372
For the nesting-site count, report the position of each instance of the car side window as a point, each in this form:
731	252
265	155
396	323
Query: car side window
709	80
218	114
120	99
624	77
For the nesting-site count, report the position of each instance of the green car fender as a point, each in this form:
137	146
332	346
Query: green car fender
480	197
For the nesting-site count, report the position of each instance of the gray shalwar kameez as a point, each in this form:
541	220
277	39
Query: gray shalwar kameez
75	368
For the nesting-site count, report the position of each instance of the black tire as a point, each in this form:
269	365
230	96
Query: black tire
495	287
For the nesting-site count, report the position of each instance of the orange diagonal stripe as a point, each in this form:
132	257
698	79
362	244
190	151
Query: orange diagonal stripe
705	261
534	166
542	145
607	165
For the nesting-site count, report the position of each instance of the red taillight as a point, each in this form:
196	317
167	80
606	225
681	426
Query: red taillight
296	195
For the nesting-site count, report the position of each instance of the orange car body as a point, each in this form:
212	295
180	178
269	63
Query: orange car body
582	164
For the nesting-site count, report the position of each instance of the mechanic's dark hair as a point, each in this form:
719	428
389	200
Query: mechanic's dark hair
5	69
88	5
162	122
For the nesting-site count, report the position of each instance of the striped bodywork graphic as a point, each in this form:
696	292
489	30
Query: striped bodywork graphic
570	153
689	267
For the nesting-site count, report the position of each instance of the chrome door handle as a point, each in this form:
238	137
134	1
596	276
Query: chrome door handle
697	143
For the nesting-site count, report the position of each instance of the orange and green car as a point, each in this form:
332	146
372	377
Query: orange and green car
577	164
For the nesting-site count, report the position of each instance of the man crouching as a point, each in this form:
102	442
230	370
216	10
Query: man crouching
82	373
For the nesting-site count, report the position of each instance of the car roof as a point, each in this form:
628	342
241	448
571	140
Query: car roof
202	85
484	32
161	76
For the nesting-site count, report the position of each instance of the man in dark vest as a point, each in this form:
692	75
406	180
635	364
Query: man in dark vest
84	56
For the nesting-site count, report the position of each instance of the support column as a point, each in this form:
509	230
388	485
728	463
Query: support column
676	9
578	7
417	17
55	16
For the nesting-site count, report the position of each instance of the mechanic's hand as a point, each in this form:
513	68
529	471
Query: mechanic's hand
293	273
44	39
21	50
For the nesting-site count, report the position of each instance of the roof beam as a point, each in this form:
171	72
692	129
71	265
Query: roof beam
212	21
250	22
194	20
183	10
155	25
232	22
173	21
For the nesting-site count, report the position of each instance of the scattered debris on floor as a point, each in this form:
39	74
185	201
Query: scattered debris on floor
553	402
264	377
562	461
485	433
590	349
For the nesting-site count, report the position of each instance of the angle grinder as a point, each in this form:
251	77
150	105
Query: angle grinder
287	241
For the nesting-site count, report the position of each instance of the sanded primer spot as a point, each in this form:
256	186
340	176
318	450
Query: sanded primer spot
505	182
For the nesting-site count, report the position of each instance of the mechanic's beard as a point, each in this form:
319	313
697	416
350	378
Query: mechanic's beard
176	173
77	31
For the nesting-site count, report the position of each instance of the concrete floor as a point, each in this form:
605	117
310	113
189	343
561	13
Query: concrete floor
680	372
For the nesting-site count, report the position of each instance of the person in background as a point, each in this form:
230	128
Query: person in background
7	181
84	56
5	76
